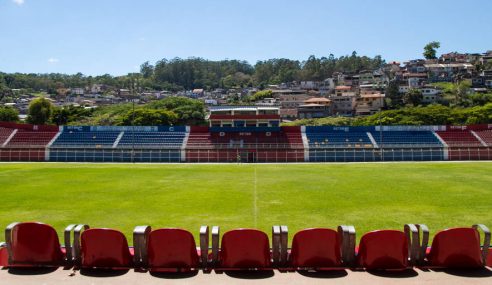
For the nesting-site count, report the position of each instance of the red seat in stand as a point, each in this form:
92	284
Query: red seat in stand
456	248
33	244
317	248
172	250
383	249
105	248
245	249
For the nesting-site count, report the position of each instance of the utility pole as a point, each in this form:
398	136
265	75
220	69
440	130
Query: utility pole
381	128
133	120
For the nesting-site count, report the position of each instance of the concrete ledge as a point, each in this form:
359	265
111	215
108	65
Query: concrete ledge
417	276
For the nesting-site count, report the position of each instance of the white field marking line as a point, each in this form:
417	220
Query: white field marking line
255	201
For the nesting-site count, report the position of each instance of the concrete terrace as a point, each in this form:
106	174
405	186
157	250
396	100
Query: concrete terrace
417	276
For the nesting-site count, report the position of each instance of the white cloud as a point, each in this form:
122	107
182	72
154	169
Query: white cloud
53	60
142	39
18	2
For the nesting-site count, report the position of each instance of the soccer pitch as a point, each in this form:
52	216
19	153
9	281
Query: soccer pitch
367	195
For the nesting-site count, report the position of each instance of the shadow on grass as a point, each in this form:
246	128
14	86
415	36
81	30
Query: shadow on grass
409	273
260	274
174	275
323	274
31	270
102	272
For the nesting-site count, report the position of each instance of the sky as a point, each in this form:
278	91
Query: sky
116	36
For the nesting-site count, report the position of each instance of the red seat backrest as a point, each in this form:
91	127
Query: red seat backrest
316	248
384	249
245	248
105	248
172	248
457	247
35	244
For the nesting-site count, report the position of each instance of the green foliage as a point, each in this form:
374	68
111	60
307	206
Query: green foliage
460	91
393	94
105	116
39	111
430	50
149	117
189	111
66	115
260	95
200	73
429	115
413	97
275	71
8	114
479	99
178	74
328	121
175	111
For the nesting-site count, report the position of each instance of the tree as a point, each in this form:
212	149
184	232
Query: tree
393	93
39	111
430	50
460	91
413	97
8	114
147	70
189	111
60	116
260	95
4	91
148	117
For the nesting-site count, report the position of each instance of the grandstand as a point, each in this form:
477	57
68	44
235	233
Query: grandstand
118	144
25	142
485	136
238	142
464	143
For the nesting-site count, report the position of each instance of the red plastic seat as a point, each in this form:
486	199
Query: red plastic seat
245	249
172	249
384	249
456	248
316	248
105	248
35	244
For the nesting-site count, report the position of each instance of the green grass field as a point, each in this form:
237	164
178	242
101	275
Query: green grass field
369	196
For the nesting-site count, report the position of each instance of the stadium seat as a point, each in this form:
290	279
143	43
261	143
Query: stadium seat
387	249
316	249
242	249
457	248
33	244
104	248
166	250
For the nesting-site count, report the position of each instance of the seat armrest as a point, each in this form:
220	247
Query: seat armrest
8	239
486	241
76	243
284	244
276	245
140	238
67	238
423	232
204	244
215	244
413	239
348	235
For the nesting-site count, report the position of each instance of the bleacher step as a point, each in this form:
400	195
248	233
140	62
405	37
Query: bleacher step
479	138
9	138
117	141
